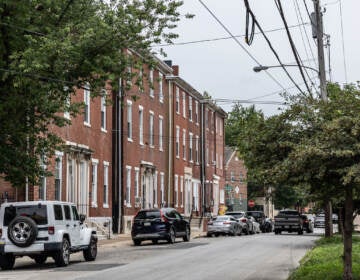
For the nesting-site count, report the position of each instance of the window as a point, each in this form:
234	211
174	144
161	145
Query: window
184	105
177	144
136	181
221	162
58	175
94	182
232	177
75	213
128	186
106	185
155	194
190	109
67	212
103	111
151	129
129	120
182	191
87	105
141	125
197	155
58	212
177	104
161	120
162	188
196	196
184	144
190	147
161	94
42	183
176	190
71	194
207	156
151	79
197	112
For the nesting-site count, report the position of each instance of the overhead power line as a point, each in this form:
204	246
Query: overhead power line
227	37
271	46
238	42
293	47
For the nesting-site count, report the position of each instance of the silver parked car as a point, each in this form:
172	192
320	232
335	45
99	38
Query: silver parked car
224	225
243	219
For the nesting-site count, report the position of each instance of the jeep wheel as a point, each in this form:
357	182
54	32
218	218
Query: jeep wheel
62	257
91	252
7	261
186	237
137	242
40	259
22	231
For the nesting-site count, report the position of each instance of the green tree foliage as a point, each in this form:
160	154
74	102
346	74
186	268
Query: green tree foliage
49	49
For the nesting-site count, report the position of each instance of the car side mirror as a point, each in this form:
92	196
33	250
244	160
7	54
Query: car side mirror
82	218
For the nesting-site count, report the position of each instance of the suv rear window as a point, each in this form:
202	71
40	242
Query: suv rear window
289	213
148	215
36	212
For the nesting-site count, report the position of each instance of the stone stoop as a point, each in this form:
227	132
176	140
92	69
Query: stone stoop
196	225
101	232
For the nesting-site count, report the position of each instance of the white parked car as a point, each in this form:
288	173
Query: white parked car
41	229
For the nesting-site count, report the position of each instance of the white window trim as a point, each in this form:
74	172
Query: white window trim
182	191
59	155
161	91
155	190
103	109
162	187
177	152
184	144
94	185
197	112
151	79
141	125
129	104
197	154
184	104
128	184
87	101
152	129
190	109
176	193
106	180
161	133
191	157
137	177
177	109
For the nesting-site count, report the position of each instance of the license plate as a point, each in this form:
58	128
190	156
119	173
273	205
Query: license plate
147	224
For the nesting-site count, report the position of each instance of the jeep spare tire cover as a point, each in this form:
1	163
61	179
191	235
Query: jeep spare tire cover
22	231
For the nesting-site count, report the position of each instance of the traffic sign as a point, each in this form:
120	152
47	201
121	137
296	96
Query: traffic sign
251	203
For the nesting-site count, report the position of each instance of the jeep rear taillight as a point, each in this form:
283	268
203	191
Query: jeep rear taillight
51	230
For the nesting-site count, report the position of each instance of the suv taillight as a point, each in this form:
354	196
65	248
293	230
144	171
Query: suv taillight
0	232
163	218
243	220
51	230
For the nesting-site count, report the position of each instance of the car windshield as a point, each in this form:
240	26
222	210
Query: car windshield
148	215
289	213
36	212
222	218
235	215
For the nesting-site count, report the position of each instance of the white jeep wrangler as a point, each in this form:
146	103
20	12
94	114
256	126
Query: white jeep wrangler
40	229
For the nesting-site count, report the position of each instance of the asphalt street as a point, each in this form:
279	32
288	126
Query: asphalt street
260	256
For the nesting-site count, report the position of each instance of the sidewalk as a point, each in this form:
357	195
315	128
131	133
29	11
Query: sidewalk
125	238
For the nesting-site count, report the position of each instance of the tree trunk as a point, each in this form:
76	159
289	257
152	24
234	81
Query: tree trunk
348	227
328	219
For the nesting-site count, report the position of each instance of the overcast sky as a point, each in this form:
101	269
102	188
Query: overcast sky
224	69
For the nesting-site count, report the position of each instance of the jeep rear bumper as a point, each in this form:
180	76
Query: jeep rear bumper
32	249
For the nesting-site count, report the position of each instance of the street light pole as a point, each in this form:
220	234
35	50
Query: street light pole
263	67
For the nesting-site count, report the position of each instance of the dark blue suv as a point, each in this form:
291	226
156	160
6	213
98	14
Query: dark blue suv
159	224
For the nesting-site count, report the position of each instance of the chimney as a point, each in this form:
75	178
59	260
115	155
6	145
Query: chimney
175	70
168	62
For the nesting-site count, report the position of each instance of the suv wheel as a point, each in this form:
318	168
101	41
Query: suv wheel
7	261
186	238
22	231
62	257
171	236
91	252
137	242
40	259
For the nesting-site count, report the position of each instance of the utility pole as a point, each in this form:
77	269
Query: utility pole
322	76
320	44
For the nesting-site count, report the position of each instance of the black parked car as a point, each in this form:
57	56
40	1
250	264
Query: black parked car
159	224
